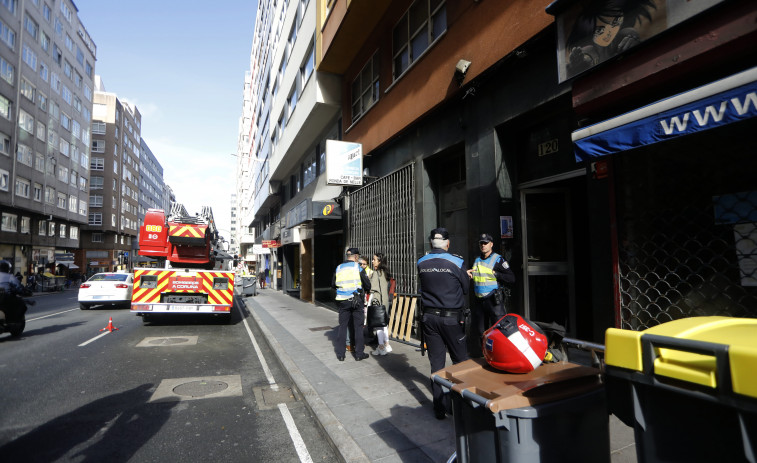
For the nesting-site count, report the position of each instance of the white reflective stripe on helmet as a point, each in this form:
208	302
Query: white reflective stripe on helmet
522	344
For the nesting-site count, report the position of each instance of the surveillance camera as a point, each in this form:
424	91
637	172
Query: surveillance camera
462	67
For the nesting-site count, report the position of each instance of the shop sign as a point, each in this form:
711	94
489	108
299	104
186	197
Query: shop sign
590	32
271	244
344	163
297	215
326	210
259	249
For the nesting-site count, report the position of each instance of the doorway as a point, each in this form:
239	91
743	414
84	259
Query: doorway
548	276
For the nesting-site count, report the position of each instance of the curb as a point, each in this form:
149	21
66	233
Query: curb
341	440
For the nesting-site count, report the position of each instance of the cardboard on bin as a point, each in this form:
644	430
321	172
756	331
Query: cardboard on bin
623	349
548	383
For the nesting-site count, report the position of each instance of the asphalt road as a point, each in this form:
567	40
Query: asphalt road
174	390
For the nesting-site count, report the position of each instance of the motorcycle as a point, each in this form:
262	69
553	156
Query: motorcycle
12	312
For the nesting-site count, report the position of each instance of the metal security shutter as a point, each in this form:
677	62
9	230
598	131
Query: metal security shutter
381	218
687	232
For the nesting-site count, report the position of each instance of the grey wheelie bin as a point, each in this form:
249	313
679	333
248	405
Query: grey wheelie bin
556	413
249	286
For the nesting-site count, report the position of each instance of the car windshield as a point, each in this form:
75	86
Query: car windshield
109	277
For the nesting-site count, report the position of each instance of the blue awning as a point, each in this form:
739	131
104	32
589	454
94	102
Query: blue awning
713	105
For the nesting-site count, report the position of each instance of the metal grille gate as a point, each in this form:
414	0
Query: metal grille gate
381	218
687	235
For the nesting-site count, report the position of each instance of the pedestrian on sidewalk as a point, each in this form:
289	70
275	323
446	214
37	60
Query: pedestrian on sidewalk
443	288
490	272
380	293
351	284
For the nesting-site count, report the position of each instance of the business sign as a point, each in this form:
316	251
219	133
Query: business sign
344	163
719	103
259	249
326	210
590	32
271	244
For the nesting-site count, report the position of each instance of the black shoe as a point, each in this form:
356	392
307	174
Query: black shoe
362	356
340	358
440	414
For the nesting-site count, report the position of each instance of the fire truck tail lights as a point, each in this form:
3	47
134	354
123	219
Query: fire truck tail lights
222	308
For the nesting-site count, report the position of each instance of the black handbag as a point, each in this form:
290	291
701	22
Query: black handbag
377	316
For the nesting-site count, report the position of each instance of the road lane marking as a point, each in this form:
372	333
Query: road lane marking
51	315
294	433
94	339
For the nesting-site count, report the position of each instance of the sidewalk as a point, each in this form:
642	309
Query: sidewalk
375	410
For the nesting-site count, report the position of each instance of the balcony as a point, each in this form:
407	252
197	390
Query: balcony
344	29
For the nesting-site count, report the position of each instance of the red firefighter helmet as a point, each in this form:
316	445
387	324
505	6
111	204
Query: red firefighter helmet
514	344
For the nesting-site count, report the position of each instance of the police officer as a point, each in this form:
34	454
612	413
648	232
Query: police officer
490	270
349	280
443	287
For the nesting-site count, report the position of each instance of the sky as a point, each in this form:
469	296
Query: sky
182	63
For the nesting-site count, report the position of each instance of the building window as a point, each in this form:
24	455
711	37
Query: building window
26	225
5	144
97	164
98	128
96	236
63	174
41	131
98	146
22	187
9	222
62	231
96	183
96	218
95	201
7	71
307	68
7	35
419	27
49	195
365	88
24	155
74	233
73	201
61	200
5	107
29	57
50	228
41	227
27	89
38	192
31	27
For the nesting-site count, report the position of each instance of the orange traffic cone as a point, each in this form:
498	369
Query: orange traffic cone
110	327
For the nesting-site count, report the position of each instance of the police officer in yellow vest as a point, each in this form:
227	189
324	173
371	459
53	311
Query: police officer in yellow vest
351	284
489	271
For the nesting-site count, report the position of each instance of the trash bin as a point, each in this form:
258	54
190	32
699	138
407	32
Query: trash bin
556	413
249	286
688	388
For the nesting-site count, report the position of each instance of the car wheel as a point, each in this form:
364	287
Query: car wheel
83	306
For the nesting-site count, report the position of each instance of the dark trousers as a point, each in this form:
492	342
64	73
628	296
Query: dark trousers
443	334
350	316
485	313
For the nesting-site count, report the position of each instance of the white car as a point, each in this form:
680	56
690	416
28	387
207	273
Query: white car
106	288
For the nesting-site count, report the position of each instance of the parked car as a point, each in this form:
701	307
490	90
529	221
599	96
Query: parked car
106	289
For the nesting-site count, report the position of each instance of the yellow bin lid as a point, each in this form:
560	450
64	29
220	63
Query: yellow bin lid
623	348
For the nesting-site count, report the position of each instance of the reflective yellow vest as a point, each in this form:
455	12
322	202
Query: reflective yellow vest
347	280
484	281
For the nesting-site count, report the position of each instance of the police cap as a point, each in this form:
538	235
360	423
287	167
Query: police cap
439	234
485	237
352	251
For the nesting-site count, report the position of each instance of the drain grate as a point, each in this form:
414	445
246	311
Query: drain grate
270	397
320	328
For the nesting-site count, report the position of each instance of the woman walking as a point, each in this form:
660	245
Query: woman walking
380	293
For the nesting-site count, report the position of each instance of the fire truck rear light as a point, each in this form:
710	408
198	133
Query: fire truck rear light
222	308
140	307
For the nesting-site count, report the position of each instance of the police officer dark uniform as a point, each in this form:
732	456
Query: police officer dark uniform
443	288
489	271
348	279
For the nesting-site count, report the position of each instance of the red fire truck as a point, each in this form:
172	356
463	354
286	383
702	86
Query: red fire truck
193	278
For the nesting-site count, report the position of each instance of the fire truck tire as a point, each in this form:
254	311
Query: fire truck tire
145	319
83	306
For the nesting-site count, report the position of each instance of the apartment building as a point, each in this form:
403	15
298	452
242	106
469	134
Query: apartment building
151	194
478	117
47	61
113	221
292	110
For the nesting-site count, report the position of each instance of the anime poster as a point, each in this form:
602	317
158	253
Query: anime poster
592	31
